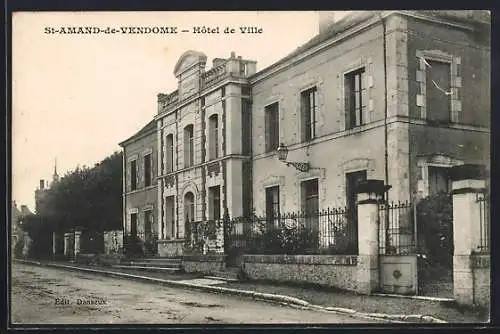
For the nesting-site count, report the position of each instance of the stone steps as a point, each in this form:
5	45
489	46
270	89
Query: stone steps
158	264
149	268
229	274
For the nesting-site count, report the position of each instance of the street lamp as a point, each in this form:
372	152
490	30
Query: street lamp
282	153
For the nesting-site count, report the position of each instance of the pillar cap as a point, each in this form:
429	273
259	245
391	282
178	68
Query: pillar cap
468	172
372	186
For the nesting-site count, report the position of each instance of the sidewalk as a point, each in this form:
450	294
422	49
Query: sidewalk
328	300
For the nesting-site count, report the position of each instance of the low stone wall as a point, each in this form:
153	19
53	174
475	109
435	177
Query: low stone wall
206	264
113	242
170	248
339	271
481	273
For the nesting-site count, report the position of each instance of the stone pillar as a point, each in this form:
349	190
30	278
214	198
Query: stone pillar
370	194
78	235
54	245
66	244
467	182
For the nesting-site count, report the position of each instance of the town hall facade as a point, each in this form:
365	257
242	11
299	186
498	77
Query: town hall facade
398	96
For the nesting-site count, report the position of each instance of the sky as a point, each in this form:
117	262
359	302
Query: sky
76	96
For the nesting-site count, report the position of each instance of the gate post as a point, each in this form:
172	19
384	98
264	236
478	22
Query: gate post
467	182
78	235
369	195
54	245
66	244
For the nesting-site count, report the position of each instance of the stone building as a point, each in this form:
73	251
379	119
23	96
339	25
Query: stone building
140	195
204	145
398	96
17	233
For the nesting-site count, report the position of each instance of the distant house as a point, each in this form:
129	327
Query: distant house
17	234
140	194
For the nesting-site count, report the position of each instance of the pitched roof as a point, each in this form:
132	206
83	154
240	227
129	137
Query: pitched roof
355	18
343	24
150	127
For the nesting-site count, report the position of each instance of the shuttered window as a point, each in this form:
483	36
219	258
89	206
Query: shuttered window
170	153
133	175
188	146
438	95
272	126
355	98
309	103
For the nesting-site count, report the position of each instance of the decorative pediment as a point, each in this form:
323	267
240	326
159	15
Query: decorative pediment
357	164
273	180
187	60
439	159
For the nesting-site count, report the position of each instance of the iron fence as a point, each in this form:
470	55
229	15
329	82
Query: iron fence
198	232
397	231
140	243
330	231
483	200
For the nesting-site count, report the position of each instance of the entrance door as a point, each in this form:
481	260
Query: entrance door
149	233
311	205
133	224
352	181
435	244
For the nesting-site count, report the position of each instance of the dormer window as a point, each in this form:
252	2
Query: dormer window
243	68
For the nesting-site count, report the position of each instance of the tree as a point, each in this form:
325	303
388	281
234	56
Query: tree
89	198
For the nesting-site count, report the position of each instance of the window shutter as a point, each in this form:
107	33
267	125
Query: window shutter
303	118
267	128
347	102
128	184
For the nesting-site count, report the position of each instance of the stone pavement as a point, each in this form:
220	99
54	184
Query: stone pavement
308	297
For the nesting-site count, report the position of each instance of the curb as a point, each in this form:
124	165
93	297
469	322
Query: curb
281	299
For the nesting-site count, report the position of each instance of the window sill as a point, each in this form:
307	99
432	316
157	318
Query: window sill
141	189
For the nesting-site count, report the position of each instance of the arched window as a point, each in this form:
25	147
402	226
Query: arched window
213	132
170	153
188	146
188	214
189	206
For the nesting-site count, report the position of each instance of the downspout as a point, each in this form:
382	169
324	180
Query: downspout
386	152
124	190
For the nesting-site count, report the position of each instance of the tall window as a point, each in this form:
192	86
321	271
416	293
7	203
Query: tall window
189	206
147	170
272	126
170	153
169	210
213	129
355	98
133	175
214	202
188	212
309	100
272	203
310	203
438	95
188	146
148	223
133	224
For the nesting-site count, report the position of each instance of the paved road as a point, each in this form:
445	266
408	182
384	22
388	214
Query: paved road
42	295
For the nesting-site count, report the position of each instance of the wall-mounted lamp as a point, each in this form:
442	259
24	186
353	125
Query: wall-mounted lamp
282	153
